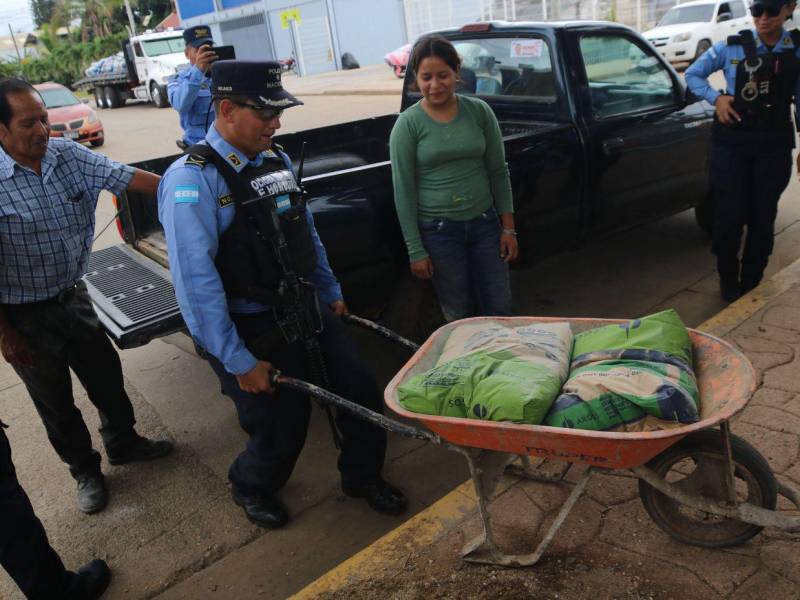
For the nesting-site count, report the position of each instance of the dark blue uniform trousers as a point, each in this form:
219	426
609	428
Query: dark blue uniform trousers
25	552
747	182
277	424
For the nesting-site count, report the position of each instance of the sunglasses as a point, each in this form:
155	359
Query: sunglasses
263	112
758	10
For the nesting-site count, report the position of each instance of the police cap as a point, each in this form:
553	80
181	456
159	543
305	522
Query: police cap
259	81
769	3
197	36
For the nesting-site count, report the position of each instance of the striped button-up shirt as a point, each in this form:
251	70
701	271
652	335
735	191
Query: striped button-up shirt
47	220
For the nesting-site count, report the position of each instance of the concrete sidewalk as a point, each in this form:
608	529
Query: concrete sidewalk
372	80
609	547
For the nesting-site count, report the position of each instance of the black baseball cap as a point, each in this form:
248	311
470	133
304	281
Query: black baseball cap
199	35
769	3
258	81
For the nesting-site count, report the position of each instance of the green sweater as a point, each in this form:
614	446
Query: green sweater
454	170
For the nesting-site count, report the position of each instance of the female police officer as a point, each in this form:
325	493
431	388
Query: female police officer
752	139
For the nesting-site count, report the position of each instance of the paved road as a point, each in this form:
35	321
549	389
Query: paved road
169	521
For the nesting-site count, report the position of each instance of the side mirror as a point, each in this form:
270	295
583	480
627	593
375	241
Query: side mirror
722	17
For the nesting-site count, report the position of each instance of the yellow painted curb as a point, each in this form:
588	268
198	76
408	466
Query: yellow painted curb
392	550
745	307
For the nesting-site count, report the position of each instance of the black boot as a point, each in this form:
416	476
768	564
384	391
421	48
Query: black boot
381	496
92	494
139	450
90	582
263	510
729	289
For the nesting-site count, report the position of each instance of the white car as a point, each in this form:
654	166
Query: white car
689	29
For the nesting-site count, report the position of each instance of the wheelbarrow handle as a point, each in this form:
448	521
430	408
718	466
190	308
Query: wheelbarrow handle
329	398
380	330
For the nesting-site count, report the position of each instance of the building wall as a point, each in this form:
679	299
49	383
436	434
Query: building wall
367	29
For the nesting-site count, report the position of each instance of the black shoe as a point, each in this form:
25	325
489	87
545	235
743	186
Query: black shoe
90	581
381	496
141	449
265	511
92	492
748	286
730	290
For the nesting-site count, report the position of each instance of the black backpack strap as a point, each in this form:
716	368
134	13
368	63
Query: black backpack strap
795	35
198	155
748	42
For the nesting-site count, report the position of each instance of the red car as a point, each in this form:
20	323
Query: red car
69	117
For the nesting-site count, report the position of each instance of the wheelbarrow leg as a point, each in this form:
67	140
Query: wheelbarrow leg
485	470
528	471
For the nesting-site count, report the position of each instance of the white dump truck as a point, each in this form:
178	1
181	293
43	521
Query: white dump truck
147	62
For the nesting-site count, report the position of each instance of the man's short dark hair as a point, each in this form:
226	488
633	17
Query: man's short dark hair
232	97
8	87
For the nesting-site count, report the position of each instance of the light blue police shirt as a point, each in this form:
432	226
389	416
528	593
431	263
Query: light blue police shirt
189	93
727	58
194	210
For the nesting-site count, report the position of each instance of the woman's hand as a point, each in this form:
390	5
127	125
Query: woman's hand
339	308
423	268
509	250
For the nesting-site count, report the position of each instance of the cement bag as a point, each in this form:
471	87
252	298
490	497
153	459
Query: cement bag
506	375
641	381
548	343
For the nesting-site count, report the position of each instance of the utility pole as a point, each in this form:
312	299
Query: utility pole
130	17
13	39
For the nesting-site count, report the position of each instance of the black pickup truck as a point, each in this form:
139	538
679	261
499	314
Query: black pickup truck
600	135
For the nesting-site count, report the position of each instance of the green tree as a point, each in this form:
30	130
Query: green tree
42	11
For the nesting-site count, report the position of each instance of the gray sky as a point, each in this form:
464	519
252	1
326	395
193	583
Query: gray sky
16	12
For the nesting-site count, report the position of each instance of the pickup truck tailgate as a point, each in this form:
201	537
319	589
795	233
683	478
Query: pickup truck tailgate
132	295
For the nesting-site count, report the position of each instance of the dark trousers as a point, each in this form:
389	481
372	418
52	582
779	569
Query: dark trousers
66	334
277	424
25	552
747	182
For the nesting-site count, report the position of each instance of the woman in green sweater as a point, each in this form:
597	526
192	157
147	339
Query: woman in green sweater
452	189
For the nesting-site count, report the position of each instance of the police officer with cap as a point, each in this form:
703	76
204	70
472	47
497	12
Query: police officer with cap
189	91
752	139
216	204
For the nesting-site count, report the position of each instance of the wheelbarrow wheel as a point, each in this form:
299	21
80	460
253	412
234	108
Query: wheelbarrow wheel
696	465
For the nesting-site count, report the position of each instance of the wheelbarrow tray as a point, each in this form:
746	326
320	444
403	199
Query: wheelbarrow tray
725	378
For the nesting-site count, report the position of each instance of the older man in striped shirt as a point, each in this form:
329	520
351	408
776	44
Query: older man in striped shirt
48	195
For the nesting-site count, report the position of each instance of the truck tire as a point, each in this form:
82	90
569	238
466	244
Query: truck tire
99	99
111	94
158	94
702	46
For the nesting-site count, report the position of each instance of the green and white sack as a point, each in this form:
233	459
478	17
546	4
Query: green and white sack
492	372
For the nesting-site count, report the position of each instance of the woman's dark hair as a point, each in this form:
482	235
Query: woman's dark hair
434	45
8	87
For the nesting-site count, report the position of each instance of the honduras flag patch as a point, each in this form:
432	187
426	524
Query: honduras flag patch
187	194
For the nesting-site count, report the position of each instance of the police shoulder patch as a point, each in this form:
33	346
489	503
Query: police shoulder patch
225	200
196	161
234	159
187	194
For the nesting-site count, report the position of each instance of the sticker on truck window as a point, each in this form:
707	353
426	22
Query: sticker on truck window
526	48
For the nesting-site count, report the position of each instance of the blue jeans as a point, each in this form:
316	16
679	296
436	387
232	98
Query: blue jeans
469	276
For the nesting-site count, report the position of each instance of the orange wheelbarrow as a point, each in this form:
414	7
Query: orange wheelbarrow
700	483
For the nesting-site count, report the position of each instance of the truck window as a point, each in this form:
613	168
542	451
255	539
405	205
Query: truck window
622	77
164	46
510	67
737	6
137	49
724	8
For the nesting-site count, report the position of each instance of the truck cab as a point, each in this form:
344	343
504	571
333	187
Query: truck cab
156	57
